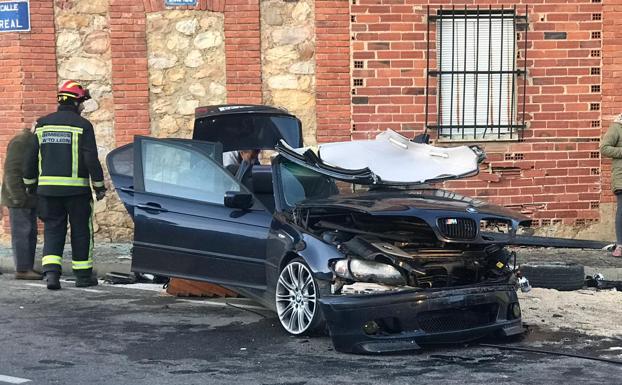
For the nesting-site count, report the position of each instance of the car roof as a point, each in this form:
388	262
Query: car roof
229	109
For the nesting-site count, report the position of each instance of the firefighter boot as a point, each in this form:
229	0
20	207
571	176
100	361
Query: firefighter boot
84	278
52	279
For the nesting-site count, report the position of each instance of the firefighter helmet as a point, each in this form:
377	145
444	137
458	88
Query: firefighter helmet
72	89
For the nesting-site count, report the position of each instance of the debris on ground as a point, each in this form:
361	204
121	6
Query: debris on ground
554	275
588	311
116	278
599	282
188	288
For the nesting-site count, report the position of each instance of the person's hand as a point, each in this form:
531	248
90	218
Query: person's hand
100	193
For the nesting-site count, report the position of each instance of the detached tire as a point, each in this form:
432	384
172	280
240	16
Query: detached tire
554	275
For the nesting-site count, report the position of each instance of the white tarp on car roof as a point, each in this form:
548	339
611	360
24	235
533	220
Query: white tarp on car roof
395	159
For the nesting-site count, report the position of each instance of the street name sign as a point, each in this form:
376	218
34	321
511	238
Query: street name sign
169	3
15	16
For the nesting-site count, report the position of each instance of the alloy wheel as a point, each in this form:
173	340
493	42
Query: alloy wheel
296	298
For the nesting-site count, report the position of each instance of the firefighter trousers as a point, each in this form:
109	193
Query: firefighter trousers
55	212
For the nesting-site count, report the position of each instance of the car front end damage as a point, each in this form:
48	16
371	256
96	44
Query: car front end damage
390	321
408	264
397	285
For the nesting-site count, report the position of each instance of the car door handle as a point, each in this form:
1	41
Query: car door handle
151	206
129	190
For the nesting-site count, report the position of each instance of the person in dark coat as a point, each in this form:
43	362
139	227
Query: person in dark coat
22	206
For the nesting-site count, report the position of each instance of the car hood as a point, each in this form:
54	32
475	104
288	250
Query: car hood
389	159
405	203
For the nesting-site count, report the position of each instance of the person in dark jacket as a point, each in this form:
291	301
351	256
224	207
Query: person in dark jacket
22	207
61	166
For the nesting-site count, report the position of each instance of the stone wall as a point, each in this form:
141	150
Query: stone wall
288	60
186	53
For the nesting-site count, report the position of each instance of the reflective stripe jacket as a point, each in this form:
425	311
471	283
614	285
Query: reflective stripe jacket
64	156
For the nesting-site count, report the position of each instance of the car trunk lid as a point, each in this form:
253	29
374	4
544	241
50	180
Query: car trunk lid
245	127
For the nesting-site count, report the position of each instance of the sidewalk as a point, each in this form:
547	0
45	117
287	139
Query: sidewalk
116	257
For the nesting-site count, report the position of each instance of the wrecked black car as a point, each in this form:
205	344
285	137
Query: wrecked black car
350	236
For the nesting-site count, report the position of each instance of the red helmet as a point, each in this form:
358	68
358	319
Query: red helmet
73	89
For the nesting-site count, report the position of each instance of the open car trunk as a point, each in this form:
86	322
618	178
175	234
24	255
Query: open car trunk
246	127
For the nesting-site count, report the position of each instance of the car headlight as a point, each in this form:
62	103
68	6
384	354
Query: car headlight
368	271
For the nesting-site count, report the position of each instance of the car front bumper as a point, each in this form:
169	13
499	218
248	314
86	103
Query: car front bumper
399	321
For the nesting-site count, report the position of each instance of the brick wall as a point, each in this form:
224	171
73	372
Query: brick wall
130	83
554	173
28	82
611	71
332	30
242	47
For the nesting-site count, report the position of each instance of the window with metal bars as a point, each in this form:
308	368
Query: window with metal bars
477	74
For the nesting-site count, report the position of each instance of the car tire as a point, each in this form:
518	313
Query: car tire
554	275
297	299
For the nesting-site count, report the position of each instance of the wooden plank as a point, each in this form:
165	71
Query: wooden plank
189	288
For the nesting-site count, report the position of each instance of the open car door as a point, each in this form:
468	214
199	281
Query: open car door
181	225
120	164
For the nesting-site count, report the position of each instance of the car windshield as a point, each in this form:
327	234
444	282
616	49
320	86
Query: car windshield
299	183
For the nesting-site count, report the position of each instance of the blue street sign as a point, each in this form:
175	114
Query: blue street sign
173	3
15	16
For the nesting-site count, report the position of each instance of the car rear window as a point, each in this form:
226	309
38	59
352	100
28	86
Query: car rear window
248	131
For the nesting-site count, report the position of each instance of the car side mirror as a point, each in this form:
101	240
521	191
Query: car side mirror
238	200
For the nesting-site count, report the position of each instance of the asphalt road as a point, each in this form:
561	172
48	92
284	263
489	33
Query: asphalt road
123	335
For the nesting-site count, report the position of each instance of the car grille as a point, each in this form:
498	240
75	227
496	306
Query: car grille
457	319
458	228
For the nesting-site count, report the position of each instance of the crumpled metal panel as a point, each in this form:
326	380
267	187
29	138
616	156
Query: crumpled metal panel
393	158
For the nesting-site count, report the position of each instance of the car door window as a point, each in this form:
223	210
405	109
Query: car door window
121	161
179	171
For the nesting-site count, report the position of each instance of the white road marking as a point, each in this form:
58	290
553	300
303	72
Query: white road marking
13	380
34	284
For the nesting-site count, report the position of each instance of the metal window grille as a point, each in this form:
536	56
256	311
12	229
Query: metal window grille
476	73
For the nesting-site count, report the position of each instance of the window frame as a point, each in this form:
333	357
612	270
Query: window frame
493	131
186	145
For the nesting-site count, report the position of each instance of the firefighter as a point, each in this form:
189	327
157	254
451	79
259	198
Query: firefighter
58	167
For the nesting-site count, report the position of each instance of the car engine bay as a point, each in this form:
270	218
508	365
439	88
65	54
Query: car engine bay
396	253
